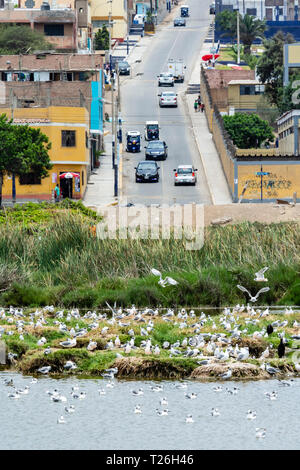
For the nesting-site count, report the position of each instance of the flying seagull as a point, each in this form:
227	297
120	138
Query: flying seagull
259	276
168	281
253	299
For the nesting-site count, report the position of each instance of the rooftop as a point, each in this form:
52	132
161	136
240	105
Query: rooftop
244	82
288	115
50	62
221	78
26	15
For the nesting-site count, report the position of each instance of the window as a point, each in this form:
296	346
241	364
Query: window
247	90
68	138
259	89
54	30
30	178
82	178
86	140
251	11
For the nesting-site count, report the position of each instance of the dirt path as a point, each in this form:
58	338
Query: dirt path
264	213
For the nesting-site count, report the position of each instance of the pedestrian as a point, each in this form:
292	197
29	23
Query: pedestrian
57	193
196	105
202	107
199	101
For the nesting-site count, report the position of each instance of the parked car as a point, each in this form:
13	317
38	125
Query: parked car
179	22
156	150
124	68
146	172
185	174
168	98
165	79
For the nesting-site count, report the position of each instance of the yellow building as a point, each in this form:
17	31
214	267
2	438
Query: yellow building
67	129
100	15
244	95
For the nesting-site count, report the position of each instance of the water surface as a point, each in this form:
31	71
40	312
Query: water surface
109	422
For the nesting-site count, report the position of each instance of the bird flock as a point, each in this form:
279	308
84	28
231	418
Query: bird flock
67	402
205	339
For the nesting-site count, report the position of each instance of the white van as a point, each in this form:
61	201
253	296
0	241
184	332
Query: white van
139	19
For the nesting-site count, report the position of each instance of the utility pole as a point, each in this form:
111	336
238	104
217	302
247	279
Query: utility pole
119	88
109	30
238	34
112	84
13	175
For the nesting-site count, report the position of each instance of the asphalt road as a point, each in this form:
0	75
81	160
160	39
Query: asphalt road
140	104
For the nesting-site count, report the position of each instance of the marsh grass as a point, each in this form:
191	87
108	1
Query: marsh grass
64	264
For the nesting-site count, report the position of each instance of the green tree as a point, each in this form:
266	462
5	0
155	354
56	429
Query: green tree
101	40
251	28
226	20
21	40
248	130
23	150
270	67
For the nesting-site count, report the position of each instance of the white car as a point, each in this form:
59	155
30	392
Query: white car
168	98
185	174
165	79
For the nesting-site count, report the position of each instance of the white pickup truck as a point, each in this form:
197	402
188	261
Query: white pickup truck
177	68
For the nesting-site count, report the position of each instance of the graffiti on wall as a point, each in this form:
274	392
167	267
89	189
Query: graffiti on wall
273	186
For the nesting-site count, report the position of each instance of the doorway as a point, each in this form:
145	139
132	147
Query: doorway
66	187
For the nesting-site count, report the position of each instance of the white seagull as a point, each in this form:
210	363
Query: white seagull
168	281
259	276
253	299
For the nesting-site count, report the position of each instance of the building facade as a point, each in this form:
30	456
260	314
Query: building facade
68	132
288	133
117	10
53	80
271	10
67	26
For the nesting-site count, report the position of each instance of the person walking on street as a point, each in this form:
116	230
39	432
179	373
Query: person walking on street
202	107
57	193
196	105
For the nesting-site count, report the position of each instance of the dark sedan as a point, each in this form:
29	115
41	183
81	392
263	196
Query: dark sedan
156	150
179	22
124	68
146	172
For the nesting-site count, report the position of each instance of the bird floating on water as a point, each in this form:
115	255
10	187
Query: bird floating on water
260	433
251	414
189	419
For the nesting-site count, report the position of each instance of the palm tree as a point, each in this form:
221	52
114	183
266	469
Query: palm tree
250	29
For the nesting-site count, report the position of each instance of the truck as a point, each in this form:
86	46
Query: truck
177	68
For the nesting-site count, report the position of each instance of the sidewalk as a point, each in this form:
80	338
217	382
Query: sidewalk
211	162
100	187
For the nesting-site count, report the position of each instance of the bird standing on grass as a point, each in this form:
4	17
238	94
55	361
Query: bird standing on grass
270	329
281	348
